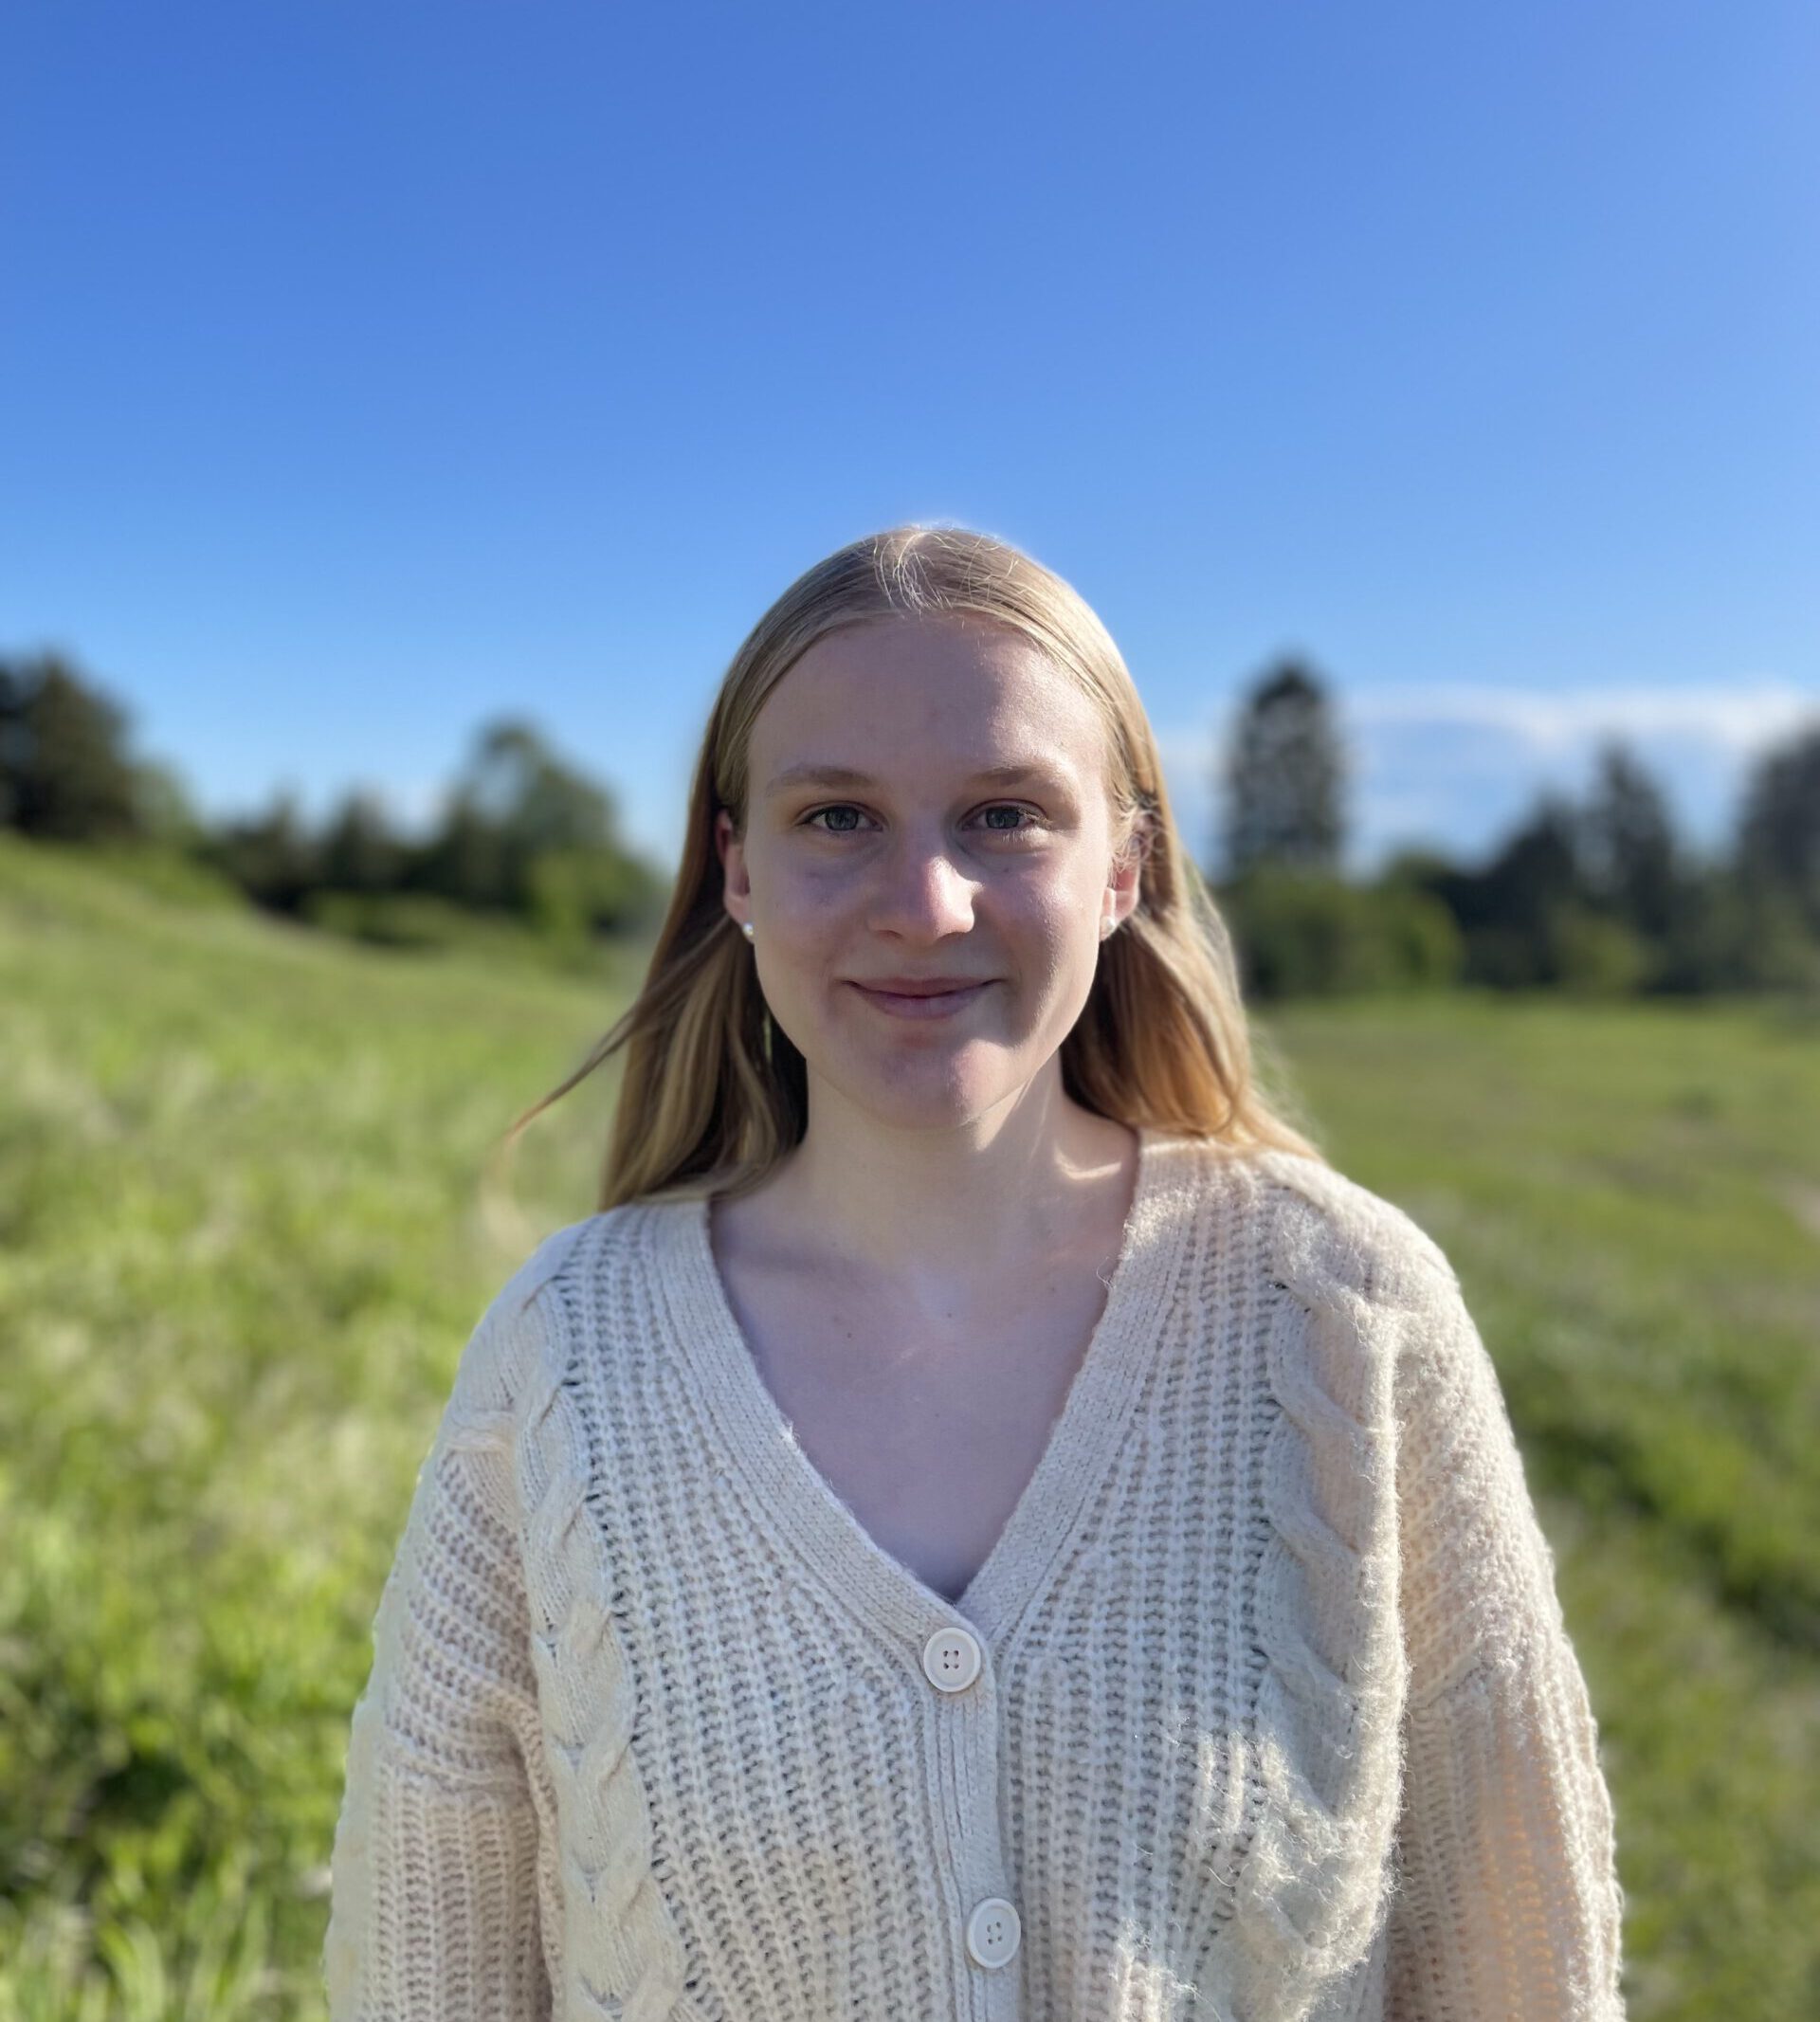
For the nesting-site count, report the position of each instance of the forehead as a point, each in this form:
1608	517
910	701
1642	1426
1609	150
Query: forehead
948	689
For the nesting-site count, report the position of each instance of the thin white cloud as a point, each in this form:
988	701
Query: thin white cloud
1732	718
1739	718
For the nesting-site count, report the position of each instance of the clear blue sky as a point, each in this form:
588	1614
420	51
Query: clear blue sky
367	370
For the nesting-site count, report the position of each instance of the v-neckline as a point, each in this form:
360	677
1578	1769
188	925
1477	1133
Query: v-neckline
761	1444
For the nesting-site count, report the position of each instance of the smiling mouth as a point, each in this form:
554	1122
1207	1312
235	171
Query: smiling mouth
937	1004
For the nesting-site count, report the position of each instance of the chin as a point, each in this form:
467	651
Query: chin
904	1099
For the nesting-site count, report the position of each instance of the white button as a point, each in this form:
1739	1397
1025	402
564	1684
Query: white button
951	1659
993	1931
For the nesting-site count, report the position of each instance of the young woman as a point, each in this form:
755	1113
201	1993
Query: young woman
984	1521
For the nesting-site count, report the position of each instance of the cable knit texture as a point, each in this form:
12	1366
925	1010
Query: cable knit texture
1275	1718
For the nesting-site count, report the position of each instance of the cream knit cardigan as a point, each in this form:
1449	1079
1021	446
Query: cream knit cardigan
1275	1717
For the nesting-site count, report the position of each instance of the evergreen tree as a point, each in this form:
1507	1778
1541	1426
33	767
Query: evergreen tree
1779	827
272	857
359	853
1629	854
64	772
515	803
1283	777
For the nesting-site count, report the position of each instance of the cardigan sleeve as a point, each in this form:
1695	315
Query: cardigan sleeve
1506	1903
434	1909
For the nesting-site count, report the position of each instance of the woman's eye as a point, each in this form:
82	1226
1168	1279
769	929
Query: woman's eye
1003	807
808	820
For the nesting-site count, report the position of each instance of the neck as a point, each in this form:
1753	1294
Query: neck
954	1209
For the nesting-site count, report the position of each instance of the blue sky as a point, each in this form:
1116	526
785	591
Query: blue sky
366	371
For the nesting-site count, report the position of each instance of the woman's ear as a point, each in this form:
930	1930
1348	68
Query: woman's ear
736	885
1125	885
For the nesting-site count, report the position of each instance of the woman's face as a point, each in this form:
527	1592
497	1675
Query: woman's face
880	848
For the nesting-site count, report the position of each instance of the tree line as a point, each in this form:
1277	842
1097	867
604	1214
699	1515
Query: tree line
523	838
1600	896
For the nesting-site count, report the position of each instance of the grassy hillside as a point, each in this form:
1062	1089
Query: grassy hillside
241	1246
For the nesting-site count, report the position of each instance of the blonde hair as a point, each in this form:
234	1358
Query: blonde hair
712	1093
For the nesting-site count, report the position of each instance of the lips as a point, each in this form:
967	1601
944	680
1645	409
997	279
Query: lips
910	986
924	1000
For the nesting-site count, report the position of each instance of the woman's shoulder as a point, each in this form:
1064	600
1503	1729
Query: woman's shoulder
1327	1227
516	1328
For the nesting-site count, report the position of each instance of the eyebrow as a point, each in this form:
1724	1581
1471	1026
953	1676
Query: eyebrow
812	773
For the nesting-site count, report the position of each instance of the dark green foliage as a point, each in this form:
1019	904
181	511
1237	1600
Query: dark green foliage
1596	900
1778	839
1301	934
1284	776
1628	855
1510	911
515	804
64	773
272	857
1738	931
358	853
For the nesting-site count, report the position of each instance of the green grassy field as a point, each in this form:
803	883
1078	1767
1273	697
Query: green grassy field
242	1244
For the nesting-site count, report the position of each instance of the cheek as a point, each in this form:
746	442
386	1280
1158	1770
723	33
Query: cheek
802	896
811	894
1050	932
1052	914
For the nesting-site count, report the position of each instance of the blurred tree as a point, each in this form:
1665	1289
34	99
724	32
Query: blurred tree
65	772
519	783
514	802
1537	866
1594	953
1736	932
1420	866
464	860
1510	911
359	853
272	857
577	893
1300	933
1283	777
1629	855
1778	824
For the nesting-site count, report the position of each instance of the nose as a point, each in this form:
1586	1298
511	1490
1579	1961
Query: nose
921	893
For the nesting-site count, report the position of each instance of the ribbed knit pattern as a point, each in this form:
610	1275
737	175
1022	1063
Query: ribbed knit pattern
1276	1720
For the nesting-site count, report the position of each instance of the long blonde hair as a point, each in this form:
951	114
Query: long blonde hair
712	1093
